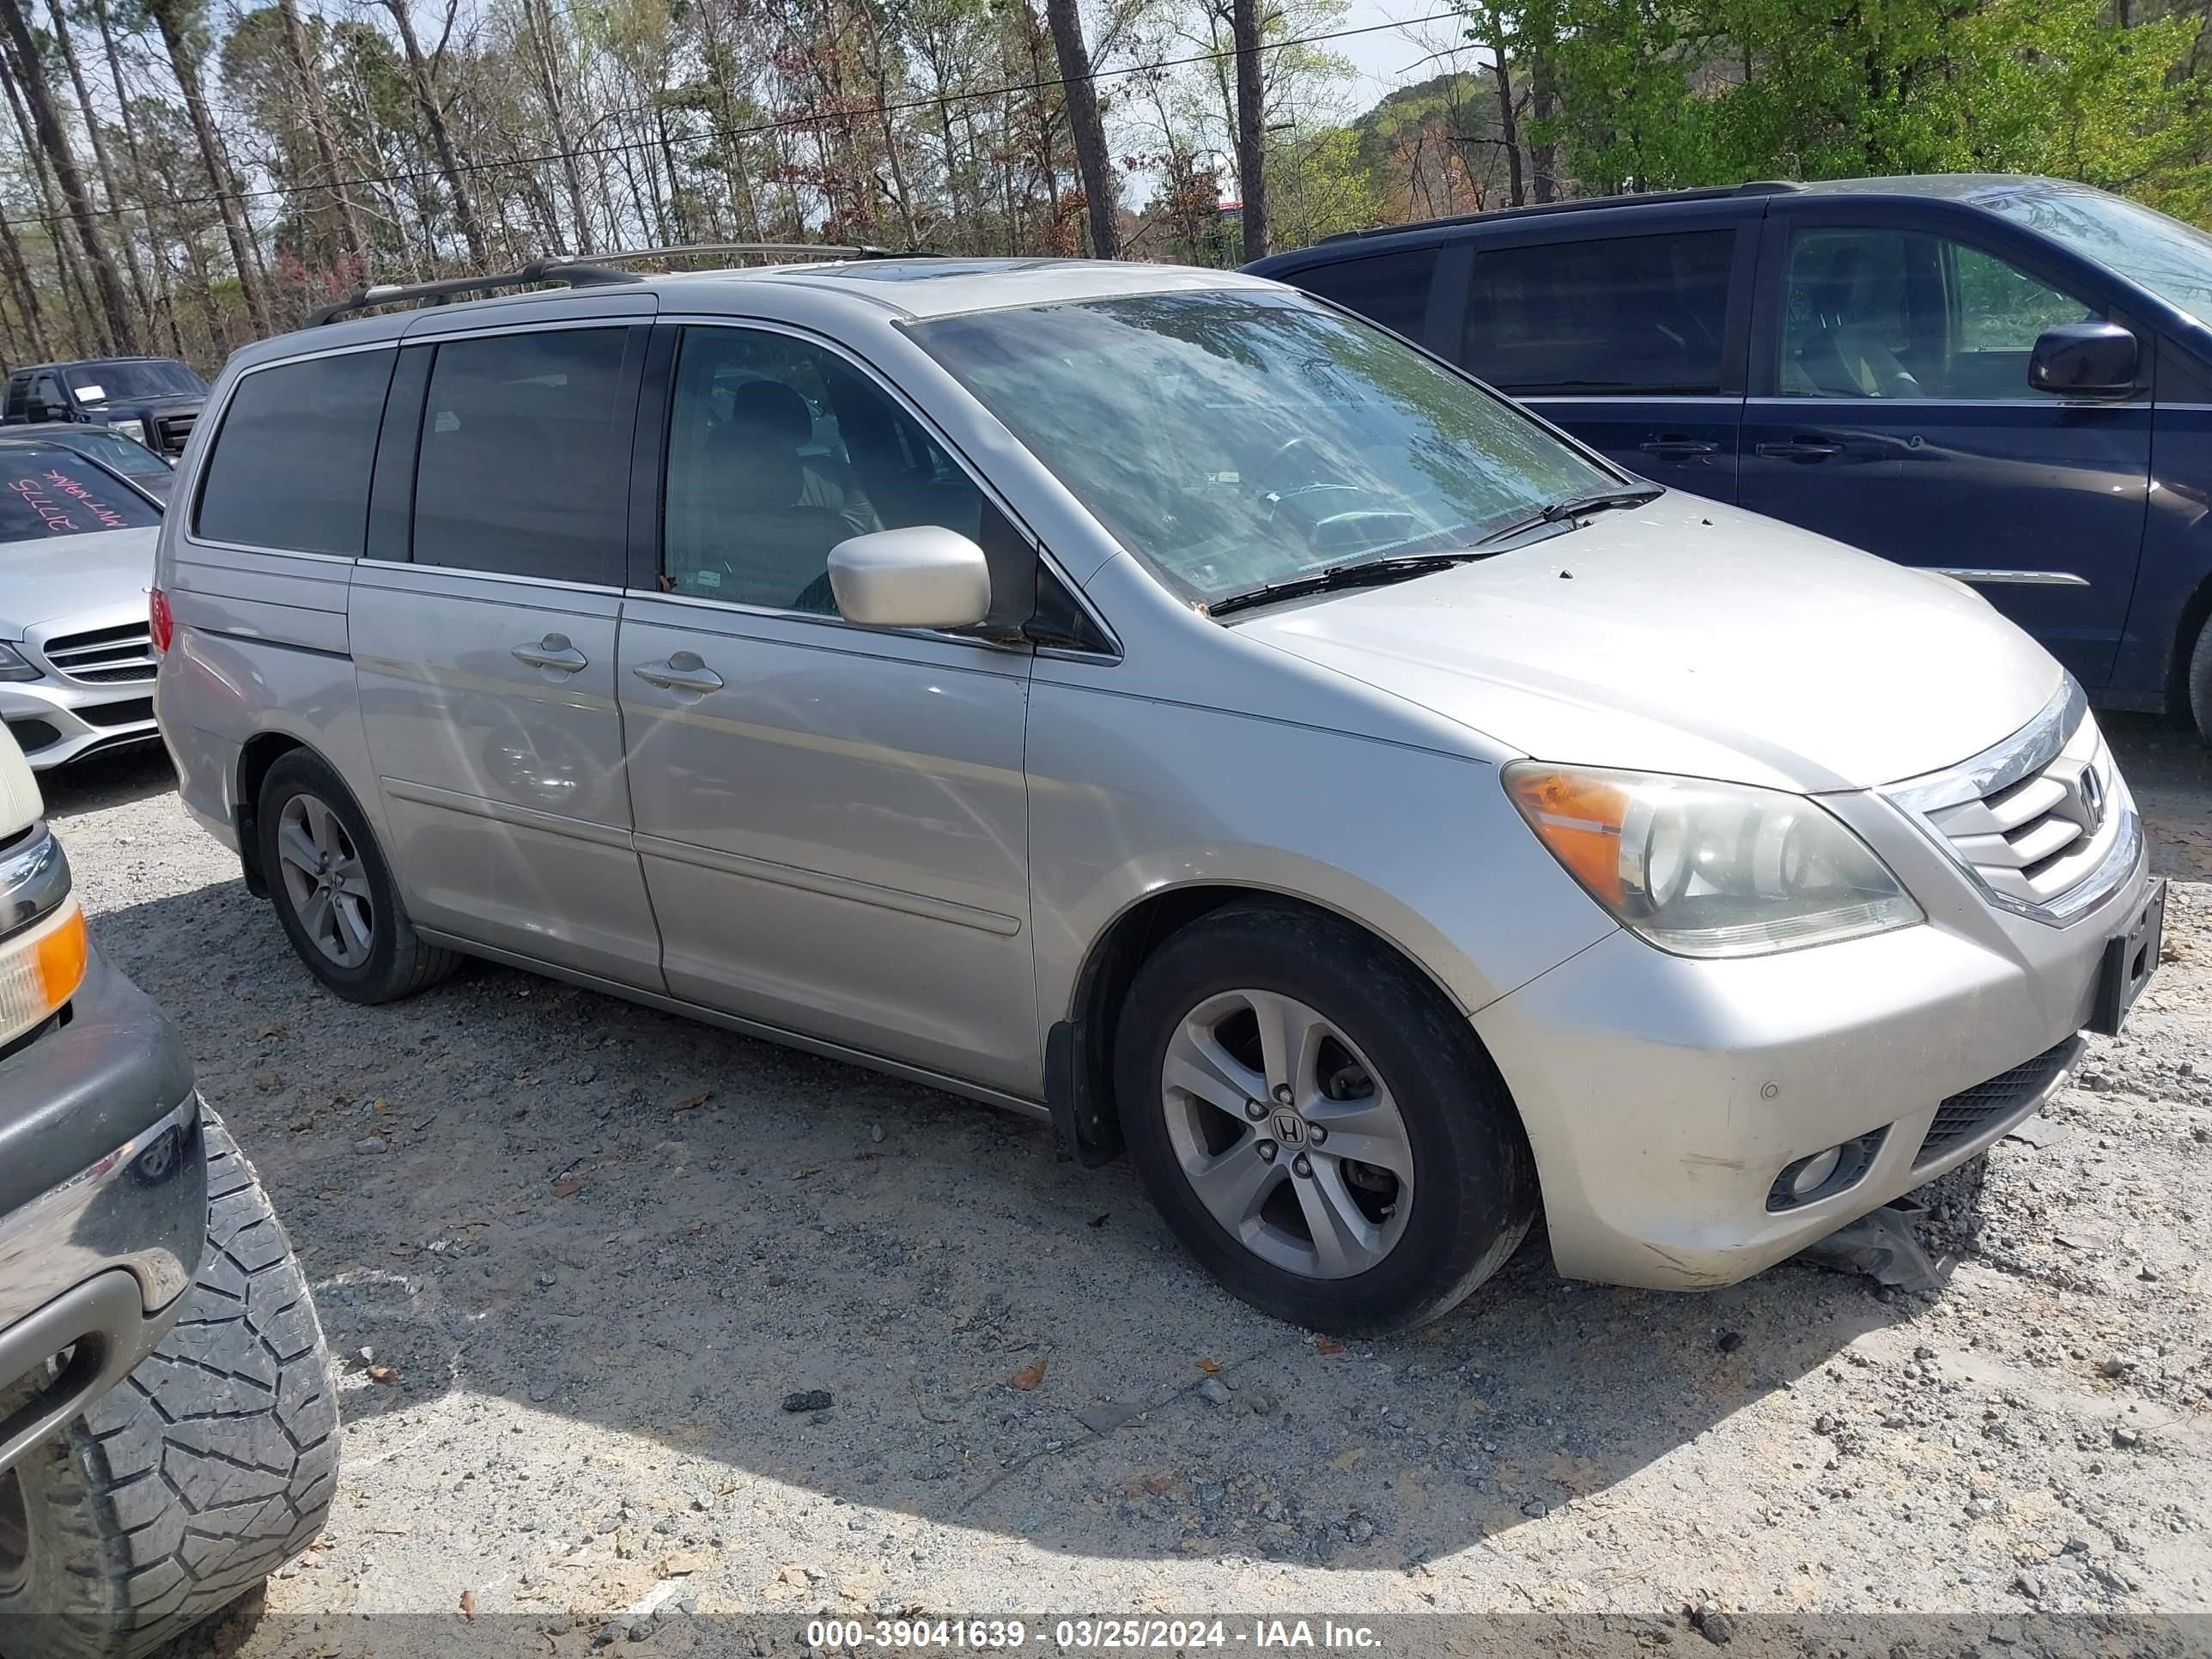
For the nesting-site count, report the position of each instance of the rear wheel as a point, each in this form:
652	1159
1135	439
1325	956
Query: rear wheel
1316	1123
332	889
200	1473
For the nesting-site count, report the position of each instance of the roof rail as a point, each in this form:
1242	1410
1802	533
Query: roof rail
804	250
1584	204
571	273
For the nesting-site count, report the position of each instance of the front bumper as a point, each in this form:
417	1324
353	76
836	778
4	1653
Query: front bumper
1664	1096
57	722
103	1199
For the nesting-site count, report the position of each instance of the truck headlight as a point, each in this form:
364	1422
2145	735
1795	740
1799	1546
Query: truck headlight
1705	869
135	429
13	665
41	971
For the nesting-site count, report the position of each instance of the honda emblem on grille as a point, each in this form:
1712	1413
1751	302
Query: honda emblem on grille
2092	791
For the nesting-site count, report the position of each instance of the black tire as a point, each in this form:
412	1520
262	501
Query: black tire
2199	683
1474	1187
201	1472
398	963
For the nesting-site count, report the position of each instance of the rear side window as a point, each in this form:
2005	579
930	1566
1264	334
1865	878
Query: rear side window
290	465
1627	314
19	396
1389	289
524	469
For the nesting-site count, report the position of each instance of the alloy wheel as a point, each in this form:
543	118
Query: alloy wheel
1286	1134
326	881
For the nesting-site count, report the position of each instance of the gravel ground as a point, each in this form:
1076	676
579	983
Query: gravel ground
581	1260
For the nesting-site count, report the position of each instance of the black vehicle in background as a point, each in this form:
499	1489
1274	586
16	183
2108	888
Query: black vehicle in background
153	400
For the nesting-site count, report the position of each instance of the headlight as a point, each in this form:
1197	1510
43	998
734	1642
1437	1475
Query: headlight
14	666
41	971
1709	869
135	430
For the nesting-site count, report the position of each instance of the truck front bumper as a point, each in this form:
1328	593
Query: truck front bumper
103	1201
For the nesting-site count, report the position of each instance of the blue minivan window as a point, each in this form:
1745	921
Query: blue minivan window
2171	259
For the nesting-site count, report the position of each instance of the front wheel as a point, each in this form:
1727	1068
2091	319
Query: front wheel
1316	1123
2199	683
197	1476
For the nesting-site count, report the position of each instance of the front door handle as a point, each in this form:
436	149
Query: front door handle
554	651
1678	449
681	671
1801	449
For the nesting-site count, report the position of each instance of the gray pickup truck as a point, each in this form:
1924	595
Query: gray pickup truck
168	1425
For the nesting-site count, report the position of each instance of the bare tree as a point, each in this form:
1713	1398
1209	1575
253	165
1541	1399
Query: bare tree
1092	160
1251	126
422	81
53	138
183	63
325	137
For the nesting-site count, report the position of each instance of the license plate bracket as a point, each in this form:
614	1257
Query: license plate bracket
2130	959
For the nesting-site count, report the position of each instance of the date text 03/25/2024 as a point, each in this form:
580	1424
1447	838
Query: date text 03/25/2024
1086	1635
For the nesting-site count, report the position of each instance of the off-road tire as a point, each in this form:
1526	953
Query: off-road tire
400	962
201	1472
2198	685
1474	1192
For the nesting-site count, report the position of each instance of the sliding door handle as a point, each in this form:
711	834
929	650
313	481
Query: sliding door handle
681	671
1678	449
554	651
1801	449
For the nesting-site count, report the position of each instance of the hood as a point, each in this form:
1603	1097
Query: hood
45	581
1694	638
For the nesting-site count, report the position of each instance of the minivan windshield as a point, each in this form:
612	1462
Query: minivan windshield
49	493
2171	259
153	377
1236	439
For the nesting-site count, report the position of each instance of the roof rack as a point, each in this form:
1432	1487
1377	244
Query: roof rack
581	270
571	273
1586	204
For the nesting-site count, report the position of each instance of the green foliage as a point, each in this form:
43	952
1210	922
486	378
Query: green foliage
1655	93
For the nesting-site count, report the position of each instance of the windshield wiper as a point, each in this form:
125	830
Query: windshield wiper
1575	506
1373	573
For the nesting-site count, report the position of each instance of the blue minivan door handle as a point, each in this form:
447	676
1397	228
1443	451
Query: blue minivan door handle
1801	449
1678	449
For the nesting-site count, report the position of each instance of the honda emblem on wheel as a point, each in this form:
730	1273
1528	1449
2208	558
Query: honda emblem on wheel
1290	1129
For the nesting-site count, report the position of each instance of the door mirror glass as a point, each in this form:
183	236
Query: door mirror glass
923	576
2084	360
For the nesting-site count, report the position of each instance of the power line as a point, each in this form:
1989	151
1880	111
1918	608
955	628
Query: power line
780	124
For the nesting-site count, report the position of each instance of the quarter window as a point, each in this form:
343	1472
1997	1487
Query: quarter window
778	450
1624	314
1892	314
290	465
1389	289
524	467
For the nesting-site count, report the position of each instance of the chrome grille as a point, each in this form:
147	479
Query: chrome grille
2043	822
106	656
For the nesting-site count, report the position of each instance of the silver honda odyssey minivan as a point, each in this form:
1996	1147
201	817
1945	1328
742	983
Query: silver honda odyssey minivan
1160	702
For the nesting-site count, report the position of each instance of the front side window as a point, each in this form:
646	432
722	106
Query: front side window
524	468
1627	314
290	465
46	494
778	450
1239	438
1894	313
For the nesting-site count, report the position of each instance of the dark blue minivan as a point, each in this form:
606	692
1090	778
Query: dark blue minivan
2005	379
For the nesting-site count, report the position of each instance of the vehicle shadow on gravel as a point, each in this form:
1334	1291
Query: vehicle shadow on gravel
630	1223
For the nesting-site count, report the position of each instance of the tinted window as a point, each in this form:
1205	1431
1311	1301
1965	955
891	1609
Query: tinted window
48	493
1631	313
1892	314
777	451
155	377
19	396
1393	288
524	463
290	466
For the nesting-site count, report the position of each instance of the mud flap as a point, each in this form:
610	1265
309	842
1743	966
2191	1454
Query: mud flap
1884	1245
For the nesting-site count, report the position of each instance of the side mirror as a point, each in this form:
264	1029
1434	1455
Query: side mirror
2084	360
43	412
926	576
